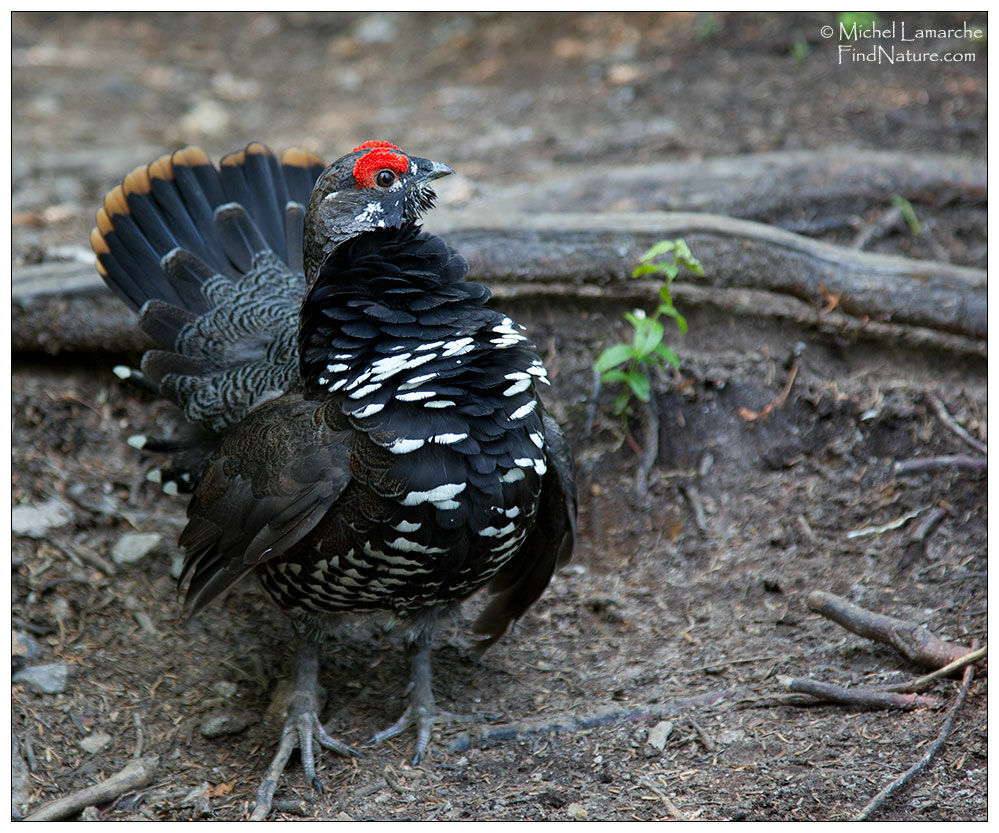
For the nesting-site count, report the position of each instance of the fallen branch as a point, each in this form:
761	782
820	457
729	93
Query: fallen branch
589	255
922	763
949	462
868	698
137	774
944	416
914	641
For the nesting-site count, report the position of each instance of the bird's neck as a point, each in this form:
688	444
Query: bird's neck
379	294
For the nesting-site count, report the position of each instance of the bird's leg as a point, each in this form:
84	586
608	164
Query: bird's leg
422	710
301	727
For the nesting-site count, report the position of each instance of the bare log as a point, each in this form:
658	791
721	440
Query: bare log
601	249
60	307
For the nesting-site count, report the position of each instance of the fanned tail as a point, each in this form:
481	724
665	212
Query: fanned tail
211	260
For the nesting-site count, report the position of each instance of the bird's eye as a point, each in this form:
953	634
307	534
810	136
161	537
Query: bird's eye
385	178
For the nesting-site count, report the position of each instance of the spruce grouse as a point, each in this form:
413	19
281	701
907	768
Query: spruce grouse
365	433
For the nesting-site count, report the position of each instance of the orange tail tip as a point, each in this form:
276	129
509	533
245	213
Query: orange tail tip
192	156
299	158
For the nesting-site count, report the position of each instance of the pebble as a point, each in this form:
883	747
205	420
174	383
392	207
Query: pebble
45	679
134	546
576	811
37	521
226	722
659	734
95	743
224	688
24	648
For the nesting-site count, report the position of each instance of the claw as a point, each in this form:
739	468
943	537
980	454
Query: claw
422	711
301	728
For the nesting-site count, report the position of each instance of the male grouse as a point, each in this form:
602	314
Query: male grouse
366	435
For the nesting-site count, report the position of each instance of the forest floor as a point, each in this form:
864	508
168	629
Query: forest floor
684	604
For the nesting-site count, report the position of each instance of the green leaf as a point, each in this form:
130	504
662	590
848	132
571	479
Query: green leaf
663	247
612	376
613	356
664	352
621	403
671	311
640	385
647	336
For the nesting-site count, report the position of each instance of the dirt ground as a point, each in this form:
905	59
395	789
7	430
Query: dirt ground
684	605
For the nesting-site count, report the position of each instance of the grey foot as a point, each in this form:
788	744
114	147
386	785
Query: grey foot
301	730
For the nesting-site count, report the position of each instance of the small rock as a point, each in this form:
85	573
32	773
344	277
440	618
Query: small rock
90	813
177	565
24	649
576	811
38	521
134	546
659	734
45	679
95	743
226	722
224	688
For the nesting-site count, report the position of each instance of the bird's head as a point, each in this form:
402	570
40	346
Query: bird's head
375	186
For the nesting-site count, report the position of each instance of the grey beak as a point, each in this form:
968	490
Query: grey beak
428	170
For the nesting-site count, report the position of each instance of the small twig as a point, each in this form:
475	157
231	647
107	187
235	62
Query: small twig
708	744
960	462
137	774
651	452
877	530
671	808
924	682
138	736
915	546
859	696
922	763
751	416
914	641
944	416
693	496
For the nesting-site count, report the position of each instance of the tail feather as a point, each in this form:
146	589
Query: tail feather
240	236
301	170
294	230
211	258
162	322
188	274
268	195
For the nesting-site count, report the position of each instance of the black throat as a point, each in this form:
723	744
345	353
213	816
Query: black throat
382	289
